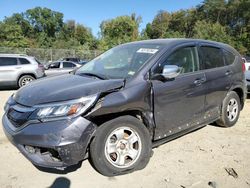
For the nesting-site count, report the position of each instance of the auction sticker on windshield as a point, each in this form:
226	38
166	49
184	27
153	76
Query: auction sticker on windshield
147	50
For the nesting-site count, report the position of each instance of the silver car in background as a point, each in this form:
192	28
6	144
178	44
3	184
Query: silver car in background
60	67
19	70
247	74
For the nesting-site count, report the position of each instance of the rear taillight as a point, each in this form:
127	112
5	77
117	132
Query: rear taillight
243	67
40	66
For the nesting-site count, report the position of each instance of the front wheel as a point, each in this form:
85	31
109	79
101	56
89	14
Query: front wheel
120	146
230	110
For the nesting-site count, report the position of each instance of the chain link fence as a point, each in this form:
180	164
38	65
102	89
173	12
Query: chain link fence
48	55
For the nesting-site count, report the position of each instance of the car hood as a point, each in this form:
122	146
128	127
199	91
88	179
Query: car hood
63	88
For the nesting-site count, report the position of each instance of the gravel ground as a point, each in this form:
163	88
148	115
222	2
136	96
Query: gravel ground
197	160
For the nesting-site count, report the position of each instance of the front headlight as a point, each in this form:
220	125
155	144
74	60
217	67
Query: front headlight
64	109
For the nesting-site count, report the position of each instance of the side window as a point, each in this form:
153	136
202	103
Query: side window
68	65
187	58
212	57
229	57
23	61
7	61
55	65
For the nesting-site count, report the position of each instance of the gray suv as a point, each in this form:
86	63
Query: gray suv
19	70
117	107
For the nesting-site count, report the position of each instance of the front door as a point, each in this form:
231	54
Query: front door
9	69
179	103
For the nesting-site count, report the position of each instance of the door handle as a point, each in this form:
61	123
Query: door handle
228	73
199	81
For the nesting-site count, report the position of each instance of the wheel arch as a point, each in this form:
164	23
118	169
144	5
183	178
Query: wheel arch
142	117
24	74
28	74
240	93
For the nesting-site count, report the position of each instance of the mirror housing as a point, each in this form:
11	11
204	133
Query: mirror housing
170	71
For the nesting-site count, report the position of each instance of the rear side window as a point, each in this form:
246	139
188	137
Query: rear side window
55	65
23	61
68	65
229	57
8	61
212	57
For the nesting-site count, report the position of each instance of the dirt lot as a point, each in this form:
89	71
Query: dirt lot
197	160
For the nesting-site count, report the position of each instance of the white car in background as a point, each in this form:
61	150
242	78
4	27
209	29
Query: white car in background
247	62
19	69
60	67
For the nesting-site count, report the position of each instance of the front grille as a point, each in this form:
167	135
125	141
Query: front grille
18	115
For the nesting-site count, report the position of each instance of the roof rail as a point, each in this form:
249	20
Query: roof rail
3	54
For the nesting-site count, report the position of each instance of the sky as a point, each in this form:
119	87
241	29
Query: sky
92	12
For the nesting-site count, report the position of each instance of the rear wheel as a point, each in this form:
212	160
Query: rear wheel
120	146
24	80
230	110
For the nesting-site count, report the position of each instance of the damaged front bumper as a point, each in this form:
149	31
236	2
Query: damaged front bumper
56	144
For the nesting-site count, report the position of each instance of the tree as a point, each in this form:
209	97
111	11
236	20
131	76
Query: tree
216	32
11	36
211	31
183	22
44	20
83	34
18	19
159	25
119	30
213	10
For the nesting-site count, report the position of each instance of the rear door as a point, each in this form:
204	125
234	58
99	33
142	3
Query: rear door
179	103
8	70
53	69
67	67
218	78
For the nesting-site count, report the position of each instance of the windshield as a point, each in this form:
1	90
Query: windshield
120	62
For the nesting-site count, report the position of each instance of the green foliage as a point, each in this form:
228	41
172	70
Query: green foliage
11	36
211	31
44	20
220	20
119	30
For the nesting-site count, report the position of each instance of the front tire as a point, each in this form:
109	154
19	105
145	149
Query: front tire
120	146
230	110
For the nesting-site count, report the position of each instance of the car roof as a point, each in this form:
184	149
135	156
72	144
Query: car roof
179	41
14	55
62	61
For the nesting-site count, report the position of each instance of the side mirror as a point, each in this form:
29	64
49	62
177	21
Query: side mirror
170	71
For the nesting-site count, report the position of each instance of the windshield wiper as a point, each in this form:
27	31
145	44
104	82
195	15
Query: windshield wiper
102	77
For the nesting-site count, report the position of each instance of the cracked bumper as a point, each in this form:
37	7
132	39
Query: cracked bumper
56	144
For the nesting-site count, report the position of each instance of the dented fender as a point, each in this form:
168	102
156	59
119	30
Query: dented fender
137	97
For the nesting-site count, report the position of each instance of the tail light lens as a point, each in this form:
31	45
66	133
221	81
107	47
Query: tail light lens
243	67
40	66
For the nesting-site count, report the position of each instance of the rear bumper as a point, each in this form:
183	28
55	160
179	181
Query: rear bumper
57	144
40	73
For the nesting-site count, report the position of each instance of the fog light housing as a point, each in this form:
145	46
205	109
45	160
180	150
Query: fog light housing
30	149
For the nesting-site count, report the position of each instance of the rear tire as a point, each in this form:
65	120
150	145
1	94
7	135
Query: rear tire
120	146
230	112
24	80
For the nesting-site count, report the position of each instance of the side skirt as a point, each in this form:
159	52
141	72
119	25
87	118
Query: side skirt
179	134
